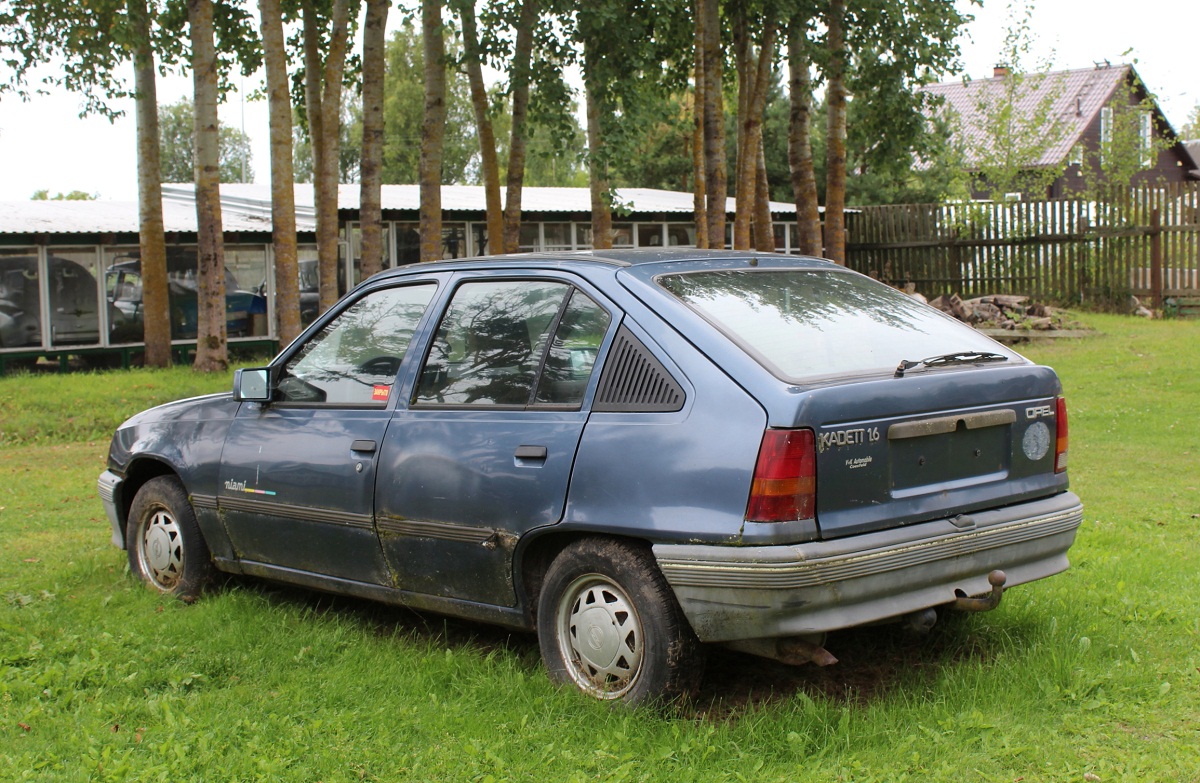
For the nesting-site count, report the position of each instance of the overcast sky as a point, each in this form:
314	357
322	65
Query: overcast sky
45	145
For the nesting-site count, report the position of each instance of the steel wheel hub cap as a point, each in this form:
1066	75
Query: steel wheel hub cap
600	636
162	550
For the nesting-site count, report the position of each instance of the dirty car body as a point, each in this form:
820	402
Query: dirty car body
630	452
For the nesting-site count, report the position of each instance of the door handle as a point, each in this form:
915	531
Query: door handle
365	446
531	452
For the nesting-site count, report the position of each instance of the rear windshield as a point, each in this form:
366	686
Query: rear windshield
808	323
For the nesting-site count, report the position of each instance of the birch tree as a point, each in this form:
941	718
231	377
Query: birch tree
800	157
326	40
152	246
754	76
432	130
708	21
212	354
489	164
91	64
835	131
371	172
520	78
283	193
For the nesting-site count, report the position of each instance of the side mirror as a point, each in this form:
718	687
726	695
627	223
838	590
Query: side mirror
252	385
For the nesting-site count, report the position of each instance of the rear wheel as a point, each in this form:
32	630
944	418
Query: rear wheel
609	624
166	549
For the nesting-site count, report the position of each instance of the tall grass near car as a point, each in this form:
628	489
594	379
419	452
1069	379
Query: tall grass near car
1092	672
76	407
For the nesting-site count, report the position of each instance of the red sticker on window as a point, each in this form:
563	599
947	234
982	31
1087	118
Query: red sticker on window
380	392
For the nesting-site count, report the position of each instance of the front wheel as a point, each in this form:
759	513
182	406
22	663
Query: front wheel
609	624
166	549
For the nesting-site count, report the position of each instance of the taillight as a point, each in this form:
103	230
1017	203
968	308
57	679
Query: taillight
1060	445
785	478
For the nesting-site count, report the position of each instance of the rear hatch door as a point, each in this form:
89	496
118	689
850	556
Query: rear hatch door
916	415
934	447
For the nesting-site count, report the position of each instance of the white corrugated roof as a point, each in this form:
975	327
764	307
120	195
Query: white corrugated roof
114	217
247	207
470	198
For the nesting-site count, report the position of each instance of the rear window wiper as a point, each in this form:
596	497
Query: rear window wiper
946	359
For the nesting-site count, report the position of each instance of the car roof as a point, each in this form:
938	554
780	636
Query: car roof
625	257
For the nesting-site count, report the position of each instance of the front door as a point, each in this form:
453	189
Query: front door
297	479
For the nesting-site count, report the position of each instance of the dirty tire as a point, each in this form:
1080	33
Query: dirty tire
608	623
166	548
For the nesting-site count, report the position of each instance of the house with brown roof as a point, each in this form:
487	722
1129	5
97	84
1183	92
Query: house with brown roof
1065	123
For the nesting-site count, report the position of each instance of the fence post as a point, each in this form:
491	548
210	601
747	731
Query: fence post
1156	260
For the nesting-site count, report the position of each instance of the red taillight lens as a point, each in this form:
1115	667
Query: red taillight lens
785	478
1060	445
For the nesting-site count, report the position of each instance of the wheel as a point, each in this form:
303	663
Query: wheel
608	623
166	548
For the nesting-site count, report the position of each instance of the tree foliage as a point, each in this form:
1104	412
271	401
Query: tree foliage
1020	131
74	195
349	150
1131	140
659	92
176	125
1191	127
402	110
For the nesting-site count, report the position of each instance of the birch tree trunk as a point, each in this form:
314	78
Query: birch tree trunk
489	162
433	130
371	167
699	181
283	195
716	185
312	26
156	314
597	164
800	157
835	156
743	193
211	346
323	96
764	229
754	75
521	76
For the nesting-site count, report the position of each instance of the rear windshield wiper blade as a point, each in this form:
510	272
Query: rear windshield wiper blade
958	357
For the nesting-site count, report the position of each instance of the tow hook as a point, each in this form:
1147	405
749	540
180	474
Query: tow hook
984	603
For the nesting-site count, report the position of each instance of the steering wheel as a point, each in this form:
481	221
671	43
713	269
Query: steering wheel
384	366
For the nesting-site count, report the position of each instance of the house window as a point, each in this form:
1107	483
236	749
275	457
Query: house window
1146	139
1076	155
1106	131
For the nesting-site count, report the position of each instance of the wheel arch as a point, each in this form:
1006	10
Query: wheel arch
537	552
140	471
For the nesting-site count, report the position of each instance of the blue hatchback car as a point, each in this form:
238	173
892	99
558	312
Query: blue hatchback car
634	453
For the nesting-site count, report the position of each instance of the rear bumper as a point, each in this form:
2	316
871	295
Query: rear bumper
736	593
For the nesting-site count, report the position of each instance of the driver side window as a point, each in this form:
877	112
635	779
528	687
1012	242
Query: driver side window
355	358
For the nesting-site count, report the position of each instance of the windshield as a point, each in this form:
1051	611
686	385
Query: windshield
809	323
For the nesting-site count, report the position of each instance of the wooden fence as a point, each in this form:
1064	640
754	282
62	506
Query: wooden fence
1064	251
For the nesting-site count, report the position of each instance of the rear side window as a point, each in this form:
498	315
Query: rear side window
810	323
513	343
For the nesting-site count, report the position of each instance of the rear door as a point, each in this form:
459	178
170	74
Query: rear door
484	451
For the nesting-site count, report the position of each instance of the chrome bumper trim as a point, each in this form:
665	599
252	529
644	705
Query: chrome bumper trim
805	570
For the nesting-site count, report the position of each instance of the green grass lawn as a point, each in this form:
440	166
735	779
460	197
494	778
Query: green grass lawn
1095	672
